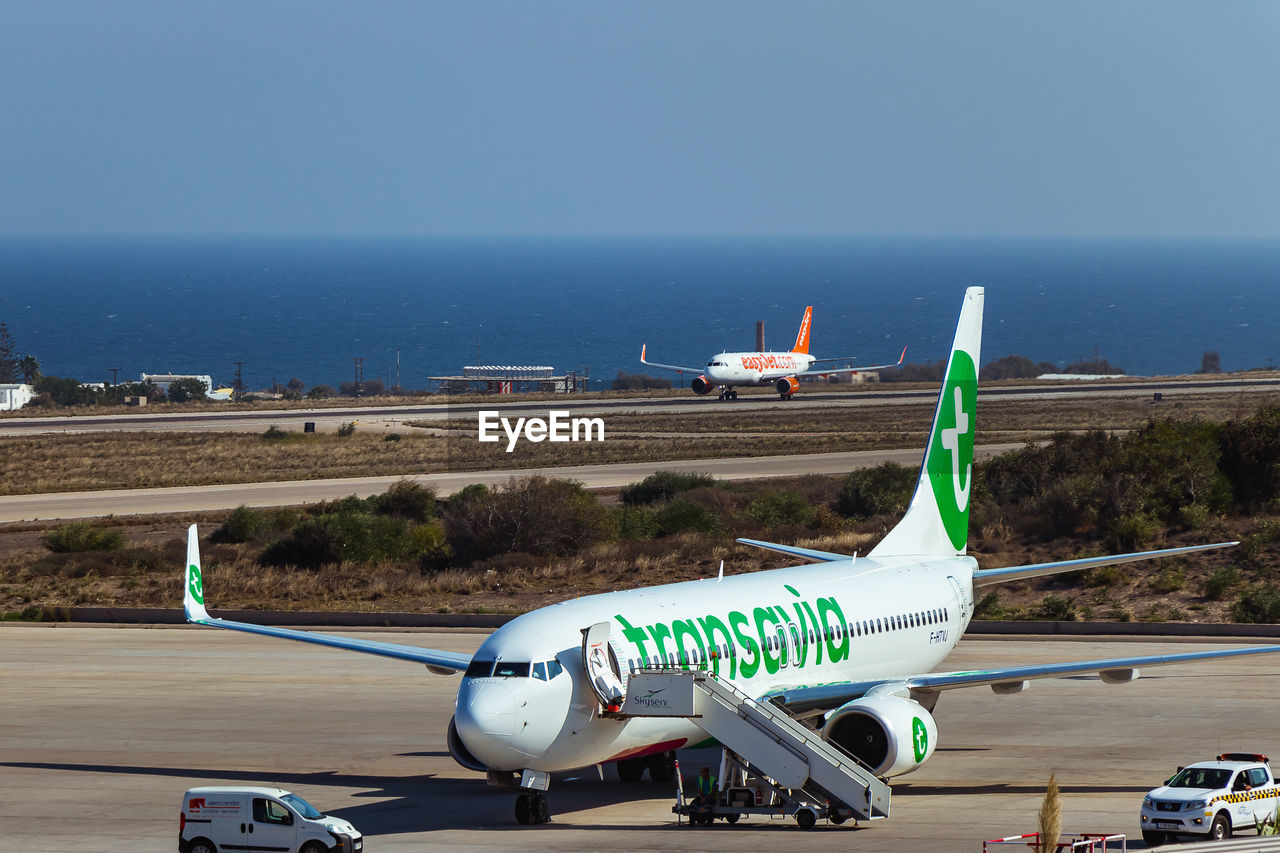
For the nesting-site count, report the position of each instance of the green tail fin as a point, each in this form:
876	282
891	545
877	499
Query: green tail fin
937	521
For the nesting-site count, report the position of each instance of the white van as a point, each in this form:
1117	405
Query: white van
260	819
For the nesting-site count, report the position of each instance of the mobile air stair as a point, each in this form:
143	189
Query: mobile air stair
796	772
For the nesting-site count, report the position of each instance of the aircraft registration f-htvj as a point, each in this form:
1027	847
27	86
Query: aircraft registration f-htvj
846	644
782	370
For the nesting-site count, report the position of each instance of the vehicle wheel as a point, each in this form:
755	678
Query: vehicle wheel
733	395
662	767
523	811
806	818
837	819
630	769
732	818
314	847
1220	828
201	845
1152	838
541	811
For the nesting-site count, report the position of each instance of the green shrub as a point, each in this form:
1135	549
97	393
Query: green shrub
351	503
1170	579
635	522
1133	531
1194	516
663	485
681	516
391	436
184	390
346	430
535	515
343	537
428	544
1259	542
988	607
1217	584
1250	457
274	433
240	526
82	536
1121	614
407	499
886	488
1259	603
1057	608
1104	576
780	507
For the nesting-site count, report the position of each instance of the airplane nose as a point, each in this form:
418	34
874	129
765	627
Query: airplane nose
486	719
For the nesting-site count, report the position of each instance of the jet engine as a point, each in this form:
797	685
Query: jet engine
890	734
701	386
787	386
459	750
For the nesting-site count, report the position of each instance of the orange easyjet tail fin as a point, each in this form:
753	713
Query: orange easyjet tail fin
802	339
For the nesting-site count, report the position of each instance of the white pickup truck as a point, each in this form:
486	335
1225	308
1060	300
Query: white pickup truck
1212	799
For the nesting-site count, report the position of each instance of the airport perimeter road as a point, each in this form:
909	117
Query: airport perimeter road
102	729
387	417
291	493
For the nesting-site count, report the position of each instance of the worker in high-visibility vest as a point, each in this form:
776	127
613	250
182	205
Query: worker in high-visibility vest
705	796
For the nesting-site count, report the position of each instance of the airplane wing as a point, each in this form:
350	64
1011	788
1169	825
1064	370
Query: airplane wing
988	577
816	371
440	662
674	367
1010	679
795	551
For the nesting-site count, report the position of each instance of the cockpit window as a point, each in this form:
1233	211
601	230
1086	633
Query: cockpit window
479	669
511	669
553	669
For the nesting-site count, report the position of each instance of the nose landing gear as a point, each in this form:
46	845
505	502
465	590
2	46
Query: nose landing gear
728	394
531	807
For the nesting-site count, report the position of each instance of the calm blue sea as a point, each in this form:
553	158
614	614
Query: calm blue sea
306	307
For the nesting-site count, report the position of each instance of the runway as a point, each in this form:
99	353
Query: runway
180	499
103	728
379	417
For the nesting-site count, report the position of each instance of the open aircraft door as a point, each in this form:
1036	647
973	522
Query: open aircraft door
601	665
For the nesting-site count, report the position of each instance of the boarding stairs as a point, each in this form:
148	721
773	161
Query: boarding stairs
770	740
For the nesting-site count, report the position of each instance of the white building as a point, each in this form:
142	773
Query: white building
14	397
162	380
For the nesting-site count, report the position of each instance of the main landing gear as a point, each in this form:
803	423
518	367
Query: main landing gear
728	394
531	807
661	767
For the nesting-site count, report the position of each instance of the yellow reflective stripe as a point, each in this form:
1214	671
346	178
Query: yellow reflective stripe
1260	794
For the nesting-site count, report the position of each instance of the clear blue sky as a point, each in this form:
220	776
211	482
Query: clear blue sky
742	118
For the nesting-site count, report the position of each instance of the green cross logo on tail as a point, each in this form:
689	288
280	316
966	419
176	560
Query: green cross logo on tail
919	739
195	583
951	455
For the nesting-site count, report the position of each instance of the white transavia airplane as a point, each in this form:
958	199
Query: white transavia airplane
846	644
782	370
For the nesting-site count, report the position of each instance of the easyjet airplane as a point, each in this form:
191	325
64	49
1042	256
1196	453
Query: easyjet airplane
847	644
782	370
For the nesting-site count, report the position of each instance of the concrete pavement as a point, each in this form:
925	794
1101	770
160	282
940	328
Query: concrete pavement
102	729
